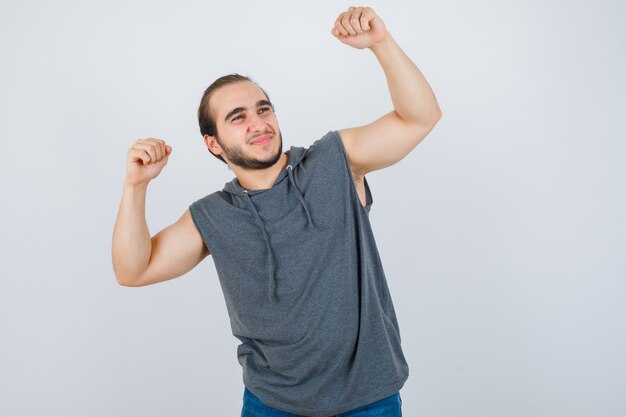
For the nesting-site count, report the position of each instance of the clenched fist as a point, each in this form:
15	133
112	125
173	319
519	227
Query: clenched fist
145	160
359	27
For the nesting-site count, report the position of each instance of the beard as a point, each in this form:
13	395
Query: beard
236	156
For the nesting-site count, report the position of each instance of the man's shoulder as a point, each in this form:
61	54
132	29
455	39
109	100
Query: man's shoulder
328	145
324	160
328	140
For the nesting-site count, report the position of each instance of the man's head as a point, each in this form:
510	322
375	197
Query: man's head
238	123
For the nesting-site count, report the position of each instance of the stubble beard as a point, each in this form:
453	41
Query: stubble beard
236	156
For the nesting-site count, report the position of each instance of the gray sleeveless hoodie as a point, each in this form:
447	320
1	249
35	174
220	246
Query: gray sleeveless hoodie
304	286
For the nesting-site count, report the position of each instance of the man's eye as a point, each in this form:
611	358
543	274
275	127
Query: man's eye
264	109
239	117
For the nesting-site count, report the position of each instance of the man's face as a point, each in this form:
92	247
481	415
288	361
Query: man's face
247	132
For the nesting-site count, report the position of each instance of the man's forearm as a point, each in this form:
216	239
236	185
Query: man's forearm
412	97
132	244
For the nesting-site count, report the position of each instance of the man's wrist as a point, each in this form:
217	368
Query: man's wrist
134	186
383	45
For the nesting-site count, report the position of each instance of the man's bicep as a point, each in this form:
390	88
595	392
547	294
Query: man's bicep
382	143
177	249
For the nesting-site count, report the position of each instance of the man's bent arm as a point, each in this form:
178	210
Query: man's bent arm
139	259
416	111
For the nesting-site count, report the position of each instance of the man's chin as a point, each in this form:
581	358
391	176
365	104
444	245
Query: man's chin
236	158
274	157
271	160
259	163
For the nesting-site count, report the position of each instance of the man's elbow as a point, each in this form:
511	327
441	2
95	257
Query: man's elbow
424	120
432	120
436	115
424	125
125	283
126	279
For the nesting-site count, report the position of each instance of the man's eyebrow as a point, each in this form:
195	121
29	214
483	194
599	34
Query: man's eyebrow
240	109
233	112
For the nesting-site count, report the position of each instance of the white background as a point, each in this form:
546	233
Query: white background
502	234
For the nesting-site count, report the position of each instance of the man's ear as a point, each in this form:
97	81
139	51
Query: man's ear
212	145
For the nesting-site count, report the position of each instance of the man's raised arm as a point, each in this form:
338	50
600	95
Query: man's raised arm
139	259
390	138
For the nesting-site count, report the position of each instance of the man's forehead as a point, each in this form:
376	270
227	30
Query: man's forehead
240	94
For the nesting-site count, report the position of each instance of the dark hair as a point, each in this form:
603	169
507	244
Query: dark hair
205	118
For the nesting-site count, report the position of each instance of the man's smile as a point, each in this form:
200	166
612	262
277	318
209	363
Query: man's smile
261	140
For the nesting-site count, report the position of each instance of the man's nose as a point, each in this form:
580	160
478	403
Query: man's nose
255	122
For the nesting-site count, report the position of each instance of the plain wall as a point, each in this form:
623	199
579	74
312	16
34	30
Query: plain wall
502	233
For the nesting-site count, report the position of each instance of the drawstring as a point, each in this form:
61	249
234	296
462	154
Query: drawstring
269	248
308	215
270	255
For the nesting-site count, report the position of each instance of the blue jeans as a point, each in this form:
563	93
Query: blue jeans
387	407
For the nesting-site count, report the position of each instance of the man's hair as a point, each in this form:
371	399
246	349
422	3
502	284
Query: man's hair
205	118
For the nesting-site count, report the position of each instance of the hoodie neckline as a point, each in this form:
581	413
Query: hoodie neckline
294	156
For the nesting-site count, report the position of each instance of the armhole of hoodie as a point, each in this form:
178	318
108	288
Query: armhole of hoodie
369	198
196	221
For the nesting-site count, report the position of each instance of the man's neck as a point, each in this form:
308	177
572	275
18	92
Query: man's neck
260	179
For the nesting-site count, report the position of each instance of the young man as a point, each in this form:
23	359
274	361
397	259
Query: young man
291	241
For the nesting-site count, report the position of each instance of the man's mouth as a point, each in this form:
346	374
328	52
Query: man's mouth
261	140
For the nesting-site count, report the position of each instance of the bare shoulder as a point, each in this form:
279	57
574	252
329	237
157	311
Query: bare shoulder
188	234
187	221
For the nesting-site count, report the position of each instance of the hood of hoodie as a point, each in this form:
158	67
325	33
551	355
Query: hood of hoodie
295	156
